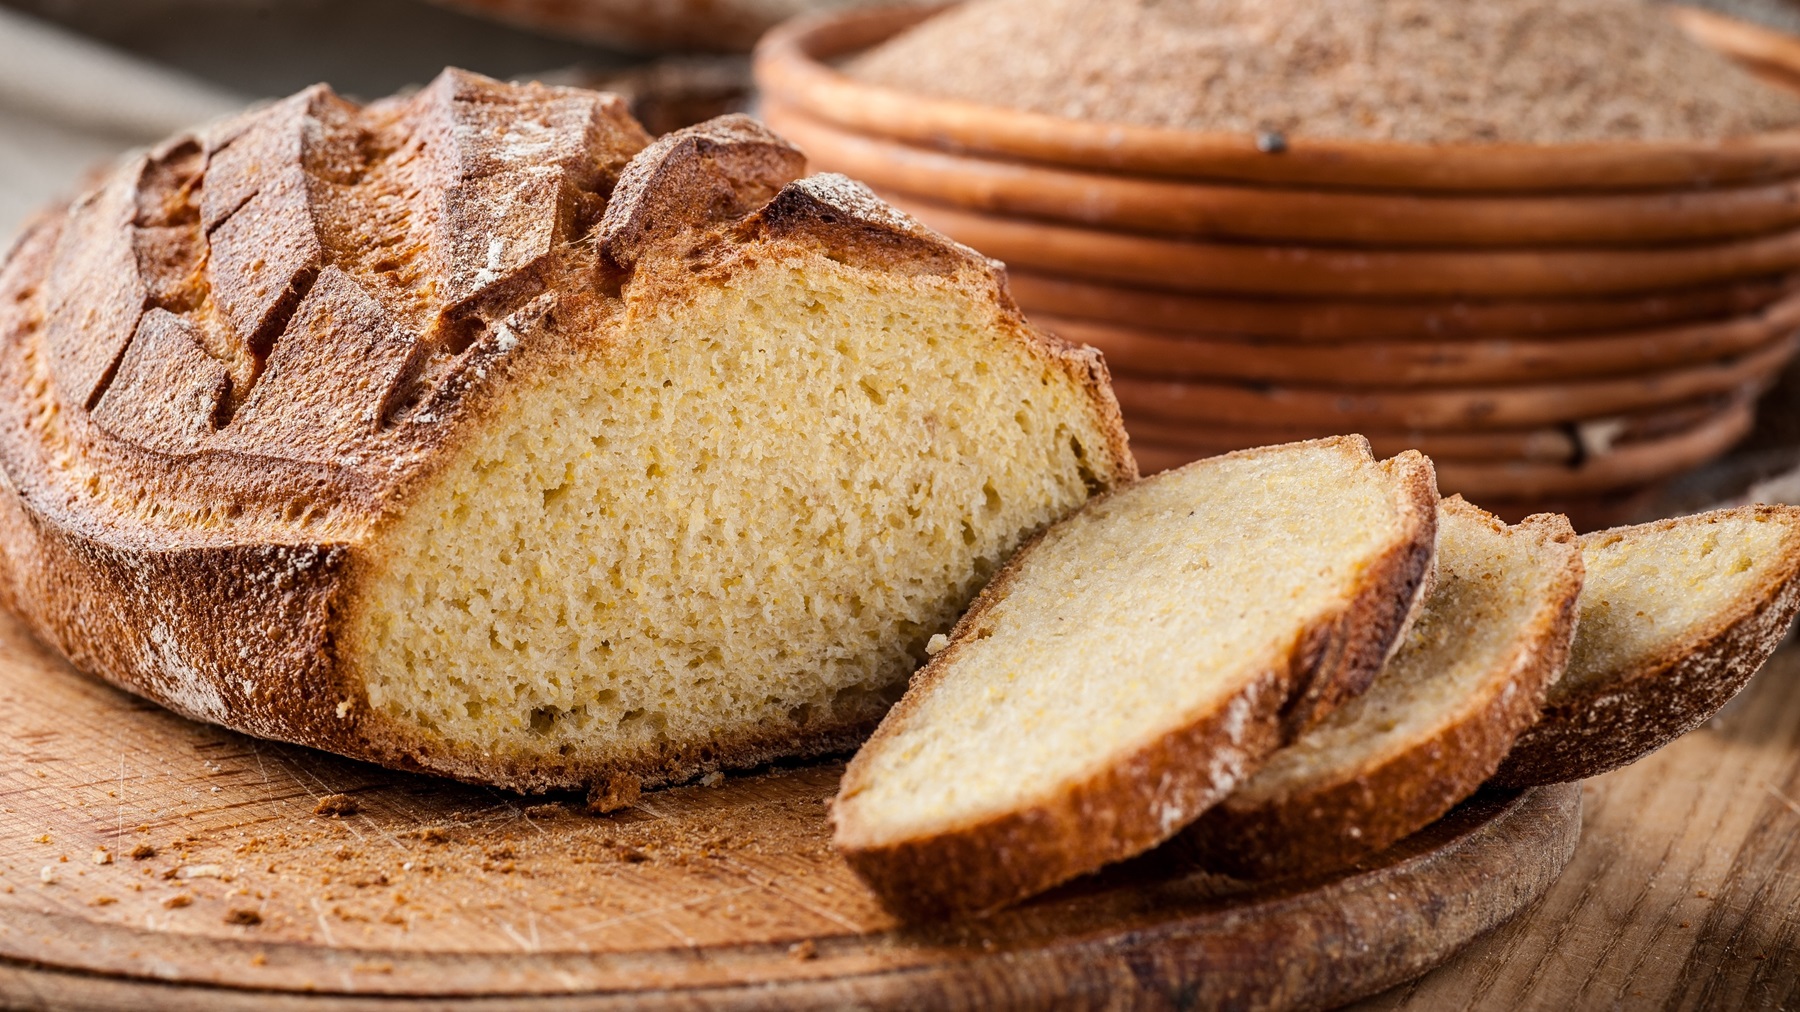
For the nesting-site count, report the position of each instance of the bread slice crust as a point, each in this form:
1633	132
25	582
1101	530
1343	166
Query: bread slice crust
1330	821
173	526
1131	805
1595	728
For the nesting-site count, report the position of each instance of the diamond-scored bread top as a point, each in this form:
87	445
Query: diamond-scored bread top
261	328
252	248
281	297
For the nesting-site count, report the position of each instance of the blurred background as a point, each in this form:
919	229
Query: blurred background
82	80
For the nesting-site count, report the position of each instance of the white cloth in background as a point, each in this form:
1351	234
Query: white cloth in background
68	104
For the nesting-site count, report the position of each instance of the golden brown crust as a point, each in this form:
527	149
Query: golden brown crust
718	171
274	290
1608	723
1332	824
1135	804
228	369
1339	660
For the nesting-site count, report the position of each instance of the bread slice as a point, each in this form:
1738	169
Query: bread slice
1676	616
1492	636
1129	668
472	432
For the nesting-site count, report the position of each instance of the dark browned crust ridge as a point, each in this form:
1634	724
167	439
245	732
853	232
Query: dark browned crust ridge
1123	809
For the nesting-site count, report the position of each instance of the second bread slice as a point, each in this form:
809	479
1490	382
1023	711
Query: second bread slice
1491	638
1132	666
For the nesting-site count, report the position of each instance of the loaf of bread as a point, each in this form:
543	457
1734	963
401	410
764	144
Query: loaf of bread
1676	616
1492	636
1127	670
471	432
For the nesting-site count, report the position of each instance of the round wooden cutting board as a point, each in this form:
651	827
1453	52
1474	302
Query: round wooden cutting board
147	862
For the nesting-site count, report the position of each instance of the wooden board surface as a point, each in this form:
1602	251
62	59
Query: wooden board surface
1684	892
135	844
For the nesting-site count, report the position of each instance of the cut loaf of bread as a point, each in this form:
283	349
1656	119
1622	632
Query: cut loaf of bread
471	432
1676	616
1493	634
1132	666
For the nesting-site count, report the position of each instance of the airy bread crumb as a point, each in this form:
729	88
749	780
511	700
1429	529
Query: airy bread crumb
1648	588
1490	638
749	516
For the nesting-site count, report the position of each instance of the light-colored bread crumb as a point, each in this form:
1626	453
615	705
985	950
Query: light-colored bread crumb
1127	670
1648	589
749	516
1469	677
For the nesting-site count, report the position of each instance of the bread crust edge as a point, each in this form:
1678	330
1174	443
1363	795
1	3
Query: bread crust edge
1610	724
1311	831
1144	799
228	627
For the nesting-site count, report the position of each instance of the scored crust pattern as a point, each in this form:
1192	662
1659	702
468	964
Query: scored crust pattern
224	360
226	364
245	266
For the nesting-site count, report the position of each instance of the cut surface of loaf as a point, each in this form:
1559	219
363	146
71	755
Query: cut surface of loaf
472	432
1492	635
1676	616
1129	668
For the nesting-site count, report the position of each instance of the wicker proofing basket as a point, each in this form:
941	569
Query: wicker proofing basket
792	71
1226	210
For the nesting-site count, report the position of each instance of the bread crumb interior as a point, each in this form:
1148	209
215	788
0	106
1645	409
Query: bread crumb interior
1649	591
1134	618
743	518
1495	588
